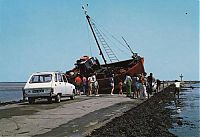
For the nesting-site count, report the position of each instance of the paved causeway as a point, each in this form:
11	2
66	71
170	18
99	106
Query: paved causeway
68	118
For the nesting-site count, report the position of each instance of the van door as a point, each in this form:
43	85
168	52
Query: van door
68	87
56	84
59	84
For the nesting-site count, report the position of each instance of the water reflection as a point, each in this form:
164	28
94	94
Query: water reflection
186	114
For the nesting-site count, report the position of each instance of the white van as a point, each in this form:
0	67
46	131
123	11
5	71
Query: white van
48	85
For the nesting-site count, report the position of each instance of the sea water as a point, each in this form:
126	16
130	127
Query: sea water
11	91
187	112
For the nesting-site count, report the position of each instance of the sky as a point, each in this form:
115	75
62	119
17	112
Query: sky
50	35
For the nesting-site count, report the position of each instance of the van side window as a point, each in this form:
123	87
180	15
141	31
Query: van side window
60	78
56	77
64	78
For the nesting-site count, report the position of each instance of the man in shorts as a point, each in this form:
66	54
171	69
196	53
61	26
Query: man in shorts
78	82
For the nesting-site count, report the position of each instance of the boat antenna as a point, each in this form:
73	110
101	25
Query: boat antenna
128	46
88	19
84	9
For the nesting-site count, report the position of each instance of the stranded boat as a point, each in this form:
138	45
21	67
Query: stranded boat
86	65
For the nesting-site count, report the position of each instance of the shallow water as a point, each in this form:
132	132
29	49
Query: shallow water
187	113
11	91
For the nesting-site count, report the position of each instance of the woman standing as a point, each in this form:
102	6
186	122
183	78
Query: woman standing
112	84
128	82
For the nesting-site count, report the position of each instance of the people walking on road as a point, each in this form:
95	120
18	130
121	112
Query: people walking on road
84	79
128	82
78	84
112	83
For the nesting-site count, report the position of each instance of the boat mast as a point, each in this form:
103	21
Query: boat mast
101	53
128	46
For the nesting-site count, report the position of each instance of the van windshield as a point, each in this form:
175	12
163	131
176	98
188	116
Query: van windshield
41	78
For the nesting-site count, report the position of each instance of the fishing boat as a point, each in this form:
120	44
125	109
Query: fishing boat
87	65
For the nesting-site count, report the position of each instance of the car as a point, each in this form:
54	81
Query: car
49	85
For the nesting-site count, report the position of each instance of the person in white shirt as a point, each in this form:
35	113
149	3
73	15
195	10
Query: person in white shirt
112	84
90	85
93	85
177	87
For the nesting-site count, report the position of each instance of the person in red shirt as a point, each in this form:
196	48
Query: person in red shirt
78	82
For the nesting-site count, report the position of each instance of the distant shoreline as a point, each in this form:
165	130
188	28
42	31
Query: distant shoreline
11	86
12	82
186	81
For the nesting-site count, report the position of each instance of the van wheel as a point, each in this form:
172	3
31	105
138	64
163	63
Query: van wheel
58	98
49	100
72	97
31	100
74	92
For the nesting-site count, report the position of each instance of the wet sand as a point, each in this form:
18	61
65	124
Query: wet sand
149	119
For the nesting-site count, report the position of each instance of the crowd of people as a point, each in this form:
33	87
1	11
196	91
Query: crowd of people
137	86
88	85
140	86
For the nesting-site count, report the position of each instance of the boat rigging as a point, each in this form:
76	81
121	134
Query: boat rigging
86	65
98	36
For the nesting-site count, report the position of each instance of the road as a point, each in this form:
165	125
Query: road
72	118
69	118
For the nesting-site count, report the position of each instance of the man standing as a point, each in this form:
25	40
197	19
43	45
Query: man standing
177	87
93	85
84	85
90	85
158	85
150	80
78	82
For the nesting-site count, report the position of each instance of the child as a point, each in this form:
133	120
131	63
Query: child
120	87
